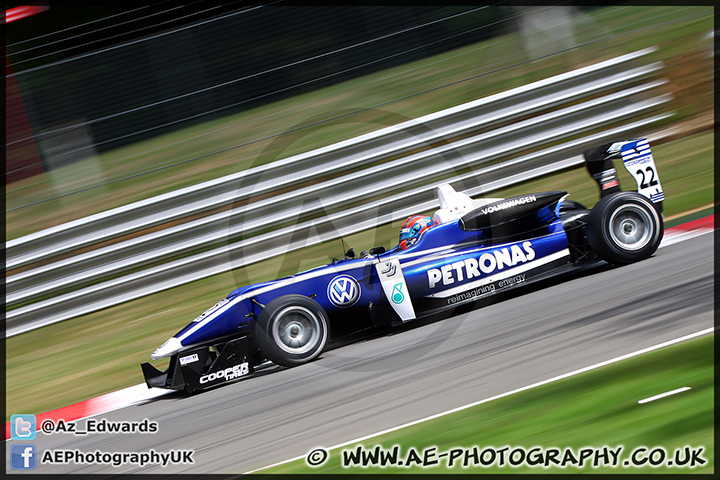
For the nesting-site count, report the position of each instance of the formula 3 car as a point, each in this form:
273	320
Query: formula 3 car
469	250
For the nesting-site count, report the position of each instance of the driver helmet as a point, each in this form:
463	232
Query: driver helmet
412	229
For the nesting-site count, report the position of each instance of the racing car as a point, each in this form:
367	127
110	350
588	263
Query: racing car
468	250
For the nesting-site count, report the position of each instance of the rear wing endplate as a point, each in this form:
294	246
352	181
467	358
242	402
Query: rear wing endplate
638	161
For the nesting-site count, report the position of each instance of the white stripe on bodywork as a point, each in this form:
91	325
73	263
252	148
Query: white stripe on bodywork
297	278
300	277
403	256
500	276
306	276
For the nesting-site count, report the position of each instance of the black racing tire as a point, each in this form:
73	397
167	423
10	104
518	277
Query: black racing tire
292	330
624	227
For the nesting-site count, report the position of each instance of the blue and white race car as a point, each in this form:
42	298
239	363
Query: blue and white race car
468	250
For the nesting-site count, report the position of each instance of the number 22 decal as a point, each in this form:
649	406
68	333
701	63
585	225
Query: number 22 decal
652	182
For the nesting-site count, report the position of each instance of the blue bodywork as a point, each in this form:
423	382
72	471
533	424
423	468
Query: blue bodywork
475	249
448	266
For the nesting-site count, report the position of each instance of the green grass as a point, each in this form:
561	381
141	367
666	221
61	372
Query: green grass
591	410
251	128
100	352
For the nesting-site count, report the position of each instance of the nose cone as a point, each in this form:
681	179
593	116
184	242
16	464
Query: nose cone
170	347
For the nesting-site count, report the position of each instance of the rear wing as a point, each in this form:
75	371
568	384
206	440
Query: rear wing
638	161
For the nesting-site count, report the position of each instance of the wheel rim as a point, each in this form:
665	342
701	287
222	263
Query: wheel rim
631	227
297	330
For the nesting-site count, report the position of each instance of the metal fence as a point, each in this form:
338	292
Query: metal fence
92	95
330	192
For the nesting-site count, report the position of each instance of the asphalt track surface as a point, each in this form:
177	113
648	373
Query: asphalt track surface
382	382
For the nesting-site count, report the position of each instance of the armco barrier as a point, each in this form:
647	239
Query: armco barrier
503	138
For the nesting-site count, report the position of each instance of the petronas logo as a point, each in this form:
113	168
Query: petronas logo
397	295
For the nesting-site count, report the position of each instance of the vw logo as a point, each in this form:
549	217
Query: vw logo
343	291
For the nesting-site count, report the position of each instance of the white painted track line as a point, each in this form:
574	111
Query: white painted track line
495	397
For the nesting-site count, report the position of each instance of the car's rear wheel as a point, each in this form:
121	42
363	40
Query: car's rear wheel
624	227
292	330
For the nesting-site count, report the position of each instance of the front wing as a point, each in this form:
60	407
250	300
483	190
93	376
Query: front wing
202	368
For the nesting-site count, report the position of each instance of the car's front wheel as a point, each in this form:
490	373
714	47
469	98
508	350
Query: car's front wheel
292	330
624	227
